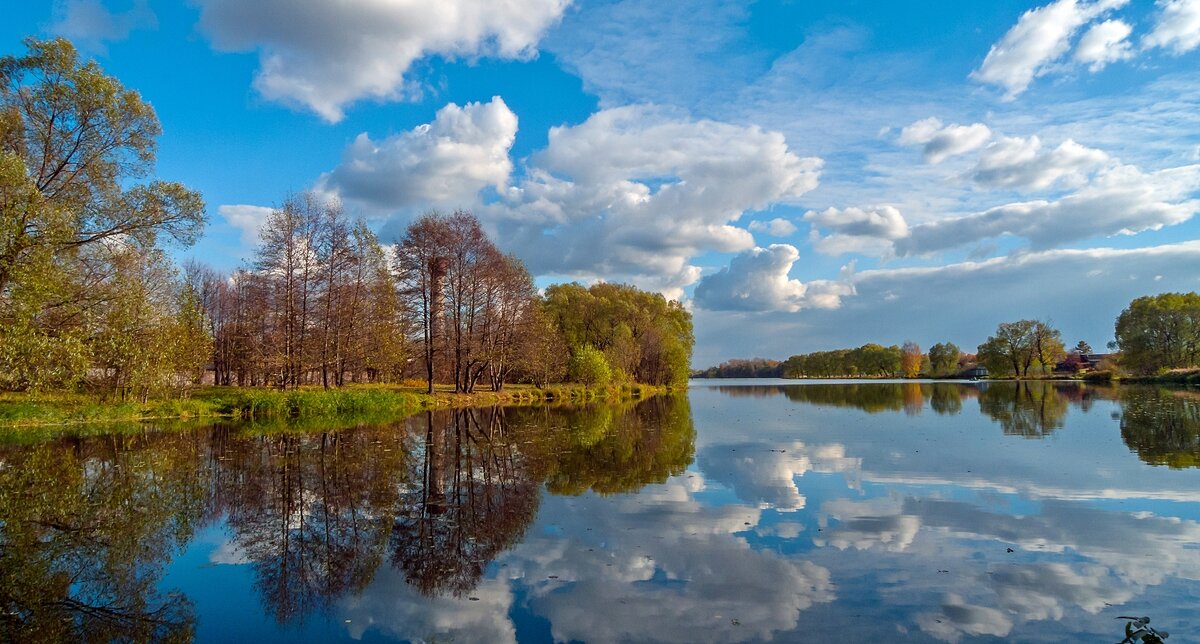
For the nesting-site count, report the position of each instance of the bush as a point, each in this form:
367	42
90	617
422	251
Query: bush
588	367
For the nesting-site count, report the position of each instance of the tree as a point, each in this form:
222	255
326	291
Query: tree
643	334
943	358
910	359
472	301
1047	345
1082	348
1011	349
1160	332
76	150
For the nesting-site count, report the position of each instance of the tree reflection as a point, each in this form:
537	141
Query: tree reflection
305	510
476	497
877	397
86	529
1032	409
88	525
1162	426
645	443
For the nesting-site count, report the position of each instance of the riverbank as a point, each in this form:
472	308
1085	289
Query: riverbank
28	409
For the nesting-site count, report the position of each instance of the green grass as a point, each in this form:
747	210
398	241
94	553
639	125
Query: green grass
306	406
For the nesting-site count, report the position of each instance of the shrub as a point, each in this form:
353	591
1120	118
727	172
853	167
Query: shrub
588	367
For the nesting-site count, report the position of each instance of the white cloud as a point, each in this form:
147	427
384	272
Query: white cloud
247	219
1017	162
1120	200
1040	38
942	142
90	25
325	55
1104	43
855	230
1177	26
777	227
757	280
444	163
634	193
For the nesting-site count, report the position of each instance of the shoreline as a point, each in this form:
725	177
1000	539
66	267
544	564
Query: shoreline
41	411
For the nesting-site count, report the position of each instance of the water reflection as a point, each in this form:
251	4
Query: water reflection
1033	409
86	528
908	511
1163	426
88	525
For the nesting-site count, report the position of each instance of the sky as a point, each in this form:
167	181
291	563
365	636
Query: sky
802	175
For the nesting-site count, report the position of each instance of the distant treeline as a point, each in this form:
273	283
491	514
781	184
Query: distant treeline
1154	334
752	368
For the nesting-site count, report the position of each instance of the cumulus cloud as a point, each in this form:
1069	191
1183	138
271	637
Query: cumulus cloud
91	25
1039	39
1104	43
443	163
324	55
1176	27
635	192
1120	200
1018	162
855	230
778	227
248	219
757	280
944	141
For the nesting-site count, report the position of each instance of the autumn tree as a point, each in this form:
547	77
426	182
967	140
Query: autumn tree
910	359
1047	345
470	301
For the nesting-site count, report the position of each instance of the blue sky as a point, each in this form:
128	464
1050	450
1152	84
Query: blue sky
805	175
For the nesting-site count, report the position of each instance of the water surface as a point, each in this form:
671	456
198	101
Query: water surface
743	511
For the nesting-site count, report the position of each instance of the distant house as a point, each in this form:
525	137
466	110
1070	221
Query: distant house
1076	362
974	372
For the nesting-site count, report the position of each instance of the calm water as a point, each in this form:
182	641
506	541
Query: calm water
740	512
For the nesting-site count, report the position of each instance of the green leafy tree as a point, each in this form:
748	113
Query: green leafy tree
77	151
643	334
943	358
1017	346
588	366
1160	332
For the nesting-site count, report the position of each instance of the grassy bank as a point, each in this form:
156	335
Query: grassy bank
1172	377
31	409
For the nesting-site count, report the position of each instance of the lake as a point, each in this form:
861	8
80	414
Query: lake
739	511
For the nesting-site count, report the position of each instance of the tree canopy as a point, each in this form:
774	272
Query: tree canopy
1160	332
81	224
